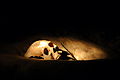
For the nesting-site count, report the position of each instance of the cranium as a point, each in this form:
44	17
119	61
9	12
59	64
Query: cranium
45	50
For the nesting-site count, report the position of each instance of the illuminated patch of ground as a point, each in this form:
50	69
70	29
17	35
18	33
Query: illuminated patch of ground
82	50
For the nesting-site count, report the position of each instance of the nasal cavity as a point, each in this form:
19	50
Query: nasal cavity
46	51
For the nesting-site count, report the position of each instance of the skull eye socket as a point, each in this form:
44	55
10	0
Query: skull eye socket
51	44
46	51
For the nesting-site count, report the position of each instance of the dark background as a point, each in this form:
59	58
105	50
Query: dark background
3	19
82	24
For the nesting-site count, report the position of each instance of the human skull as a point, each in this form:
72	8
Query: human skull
43	49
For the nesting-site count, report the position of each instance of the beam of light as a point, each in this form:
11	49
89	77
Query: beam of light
82	50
